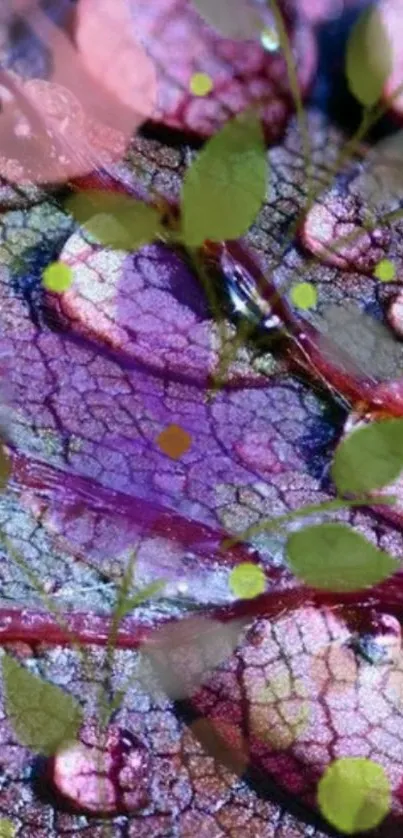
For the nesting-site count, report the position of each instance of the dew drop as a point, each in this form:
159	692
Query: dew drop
269	39
103	773
380	641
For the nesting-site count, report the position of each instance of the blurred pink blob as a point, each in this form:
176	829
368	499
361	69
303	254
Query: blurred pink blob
391	17
101	90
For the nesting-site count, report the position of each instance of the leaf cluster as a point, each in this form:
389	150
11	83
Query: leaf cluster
222	193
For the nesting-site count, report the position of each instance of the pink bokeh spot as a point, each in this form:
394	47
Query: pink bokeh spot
101	90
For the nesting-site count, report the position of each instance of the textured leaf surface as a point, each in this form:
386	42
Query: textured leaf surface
255	452
180	44
42	715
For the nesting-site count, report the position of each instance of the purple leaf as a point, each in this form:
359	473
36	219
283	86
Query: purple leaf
91	390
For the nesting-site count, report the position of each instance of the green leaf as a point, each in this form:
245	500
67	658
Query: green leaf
369	458
225	187
116	221
368	58
43	716
335	557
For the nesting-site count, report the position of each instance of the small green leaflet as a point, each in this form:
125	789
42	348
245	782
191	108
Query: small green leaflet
369	458
43	716
335	557
115	220
368	58
128	603
225	187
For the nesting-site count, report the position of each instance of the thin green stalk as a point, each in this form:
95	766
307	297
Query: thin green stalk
295	90
112	635
303	512
212	298
6	544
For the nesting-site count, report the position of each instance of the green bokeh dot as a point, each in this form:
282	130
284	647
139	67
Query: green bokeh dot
201	84
57	277
354	794
304	295
247	580
7	828
385	271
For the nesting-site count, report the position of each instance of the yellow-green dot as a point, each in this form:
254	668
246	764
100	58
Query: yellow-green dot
385	270
354	794
304	295
7	828
201	84
57	277
247	580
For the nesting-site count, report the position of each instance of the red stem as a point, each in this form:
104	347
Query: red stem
152	518
33	627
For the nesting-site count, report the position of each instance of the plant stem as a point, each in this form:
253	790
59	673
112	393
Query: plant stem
6	544
295	91
303	512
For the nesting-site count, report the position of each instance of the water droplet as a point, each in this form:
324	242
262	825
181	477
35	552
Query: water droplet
363	788
269	39
380	639
103	773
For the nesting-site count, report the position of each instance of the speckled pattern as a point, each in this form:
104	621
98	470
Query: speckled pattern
90	384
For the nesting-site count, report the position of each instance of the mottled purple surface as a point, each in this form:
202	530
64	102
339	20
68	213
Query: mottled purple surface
91	385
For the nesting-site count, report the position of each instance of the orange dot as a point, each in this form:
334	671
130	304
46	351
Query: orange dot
174	441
